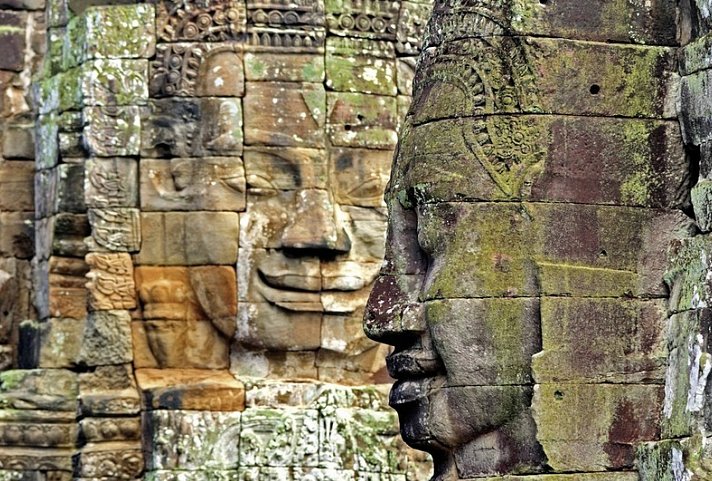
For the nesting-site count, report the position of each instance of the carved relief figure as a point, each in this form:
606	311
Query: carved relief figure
523	283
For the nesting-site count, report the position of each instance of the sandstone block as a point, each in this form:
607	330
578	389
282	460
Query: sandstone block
110	283
285	168
359	120
266	326
39	435
115	460
188	440
106	339
108	429
360	65
53	459
60	342
12	40
177	344
110	183
626	415
412	20
115	229
549	80
19	142
39	389
109	391
196	389
66	293
112	132
192	128
350	369
265	429
62	235
600	21
114	82
527	157
359	176
190	238
17	236
210	22
607	237
629	345
287	67
16	186
210	183
117	31
46	143
197	69
285	114
273	364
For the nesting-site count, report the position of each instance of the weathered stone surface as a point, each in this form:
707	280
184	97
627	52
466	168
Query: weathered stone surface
27	459
285	114
38	435
62	235
192	128
188	440
190	389
359	120
115	229
66	293
209	183
110	183
17	236
60	342
190	238
359	176
360	65
287	67
269	169
19	141
211	21
552	158
109	391
573	440
547	78
115	460
106	339
12	39
111	284
629	345
110	429
119	31
616	238
273	365
112	132
39	389
687	274
16	186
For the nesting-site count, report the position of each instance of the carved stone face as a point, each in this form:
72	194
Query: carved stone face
518	280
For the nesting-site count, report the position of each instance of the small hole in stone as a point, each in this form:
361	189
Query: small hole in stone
594	89
558	395
603	253
543	2
360	117
347	127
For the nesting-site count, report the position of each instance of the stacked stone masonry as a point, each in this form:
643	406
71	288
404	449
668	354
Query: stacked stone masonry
208	221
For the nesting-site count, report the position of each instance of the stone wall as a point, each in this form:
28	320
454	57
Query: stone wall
22	45
209	221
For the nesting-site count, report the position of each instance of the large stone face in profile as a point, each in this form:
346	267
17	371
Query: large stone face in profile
539	184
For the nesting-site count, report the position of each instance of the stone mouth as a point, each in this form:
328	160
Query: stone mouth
281	291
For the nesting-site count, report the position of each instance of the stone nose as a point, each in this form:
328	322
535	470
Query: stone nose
393	313
314	224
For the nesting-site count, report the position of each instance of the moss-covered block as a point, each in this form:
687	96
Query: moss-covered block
629	344
574	440
506	332
702	204
114	82
361	120
360	65
696	109
620	21
46	137
112	132
118	31
286	67
548	158
688	272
